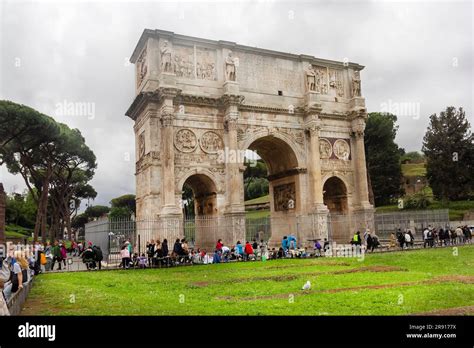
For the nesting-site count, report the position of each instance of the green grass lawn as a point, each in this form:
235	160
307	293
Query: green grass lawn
15	231
257	214
456	209
414	169
395	283
258	200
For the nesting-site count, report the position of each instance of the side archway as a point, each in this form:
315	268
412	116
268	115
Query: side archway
335	195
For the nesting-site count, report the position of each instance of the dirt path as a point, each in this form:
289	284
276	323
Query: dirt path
467	310
202	284
436	280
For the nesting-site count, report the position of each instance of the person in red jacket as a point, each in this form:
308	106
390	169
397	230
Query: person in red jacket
219	245
248	250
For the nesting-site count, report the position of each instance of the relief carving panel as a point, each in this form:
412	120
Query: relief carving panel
342	150
205	64
325	148
284	197
184	61
185	140
336	81
211	142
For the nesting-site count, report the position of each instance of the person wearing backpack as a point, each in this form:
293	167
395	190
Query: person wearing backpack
408	240
430	238
98	256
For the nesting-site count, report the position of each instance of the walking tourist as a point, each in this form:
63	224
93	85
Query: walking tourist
165	251
125	254
392	241
285	244
239	250
88	258
459	235
63	253
150	251
98	256
408	240
56	253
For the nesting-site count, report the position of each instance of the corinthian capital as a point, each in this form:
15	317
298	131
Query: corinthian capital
358	126
313	125
231	100
167	119
168	92
230	121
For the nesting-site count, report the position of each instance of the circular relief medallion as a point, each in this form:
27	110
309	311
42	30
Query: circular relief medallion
211	142
325	148
342	149
185	140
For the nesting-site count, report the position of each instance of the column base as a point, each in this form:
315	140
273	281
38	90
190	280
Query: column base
235	209
363	218
234	228
170	211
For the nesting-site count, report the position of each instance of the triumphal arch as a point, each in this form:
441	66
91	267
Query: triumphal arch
200	104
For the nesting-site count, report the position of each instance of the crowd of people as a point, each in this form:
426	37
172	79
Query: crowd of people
432	237
369	240
16	271
158	253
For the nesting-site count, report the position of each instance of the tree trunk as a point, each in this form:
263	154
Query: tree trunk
39	212
371	191
40	224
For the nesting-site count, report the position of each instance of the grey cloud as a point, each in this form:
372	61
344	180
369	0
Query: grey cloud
78	52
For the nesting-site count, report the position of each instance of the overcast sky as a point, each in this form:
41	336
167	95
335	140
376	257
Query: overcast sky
417	55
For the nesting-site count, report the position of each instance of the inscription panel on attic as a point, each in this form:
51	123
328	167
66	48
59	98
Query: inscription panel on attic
267	74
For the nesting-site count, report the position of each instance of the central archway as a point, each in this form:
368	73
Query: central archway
204	194
284	190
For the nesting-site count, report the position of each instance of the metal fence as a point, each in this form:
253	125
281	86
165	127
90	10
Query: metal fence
416	221
111	235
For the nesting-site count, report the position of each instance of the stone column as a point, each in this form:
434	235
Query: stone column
3	202
363	215
314	165
233	173
318	210
235	210
358	127
169	206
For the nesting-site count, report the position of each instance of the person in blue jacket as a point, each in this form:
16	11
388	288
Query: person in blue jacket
292	242
239	248
285	244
